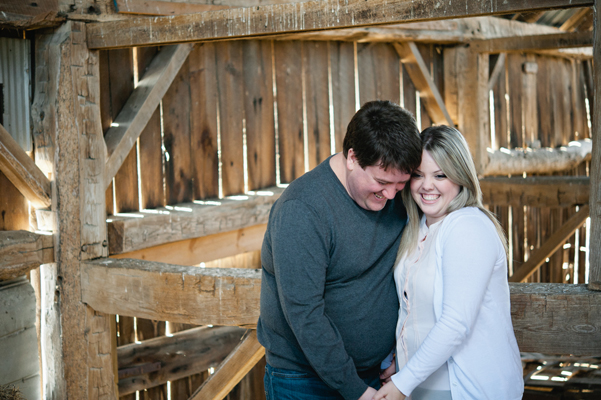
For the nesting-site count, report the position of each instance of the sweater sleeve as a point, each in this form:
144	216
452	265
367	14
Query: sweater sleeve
301	251
470	249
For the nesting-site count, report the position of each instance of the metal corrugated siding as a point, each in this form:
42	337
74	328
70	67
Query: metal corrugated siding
15	76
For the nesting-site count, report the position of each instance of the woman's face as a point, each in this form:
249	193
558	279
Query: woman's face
432	190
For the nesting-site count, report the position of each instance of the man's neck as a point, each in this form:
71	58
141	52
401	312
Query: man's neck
338	165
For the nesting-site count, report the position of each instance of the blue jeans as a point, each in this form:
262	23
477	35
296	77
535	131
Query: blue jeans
284	384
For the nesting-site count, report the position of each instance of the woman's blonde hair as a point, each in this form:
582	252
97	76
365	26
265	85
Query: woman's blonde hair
450	151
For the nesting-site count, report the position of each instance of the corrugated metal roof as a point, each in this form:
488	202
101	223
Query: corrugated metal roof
15	77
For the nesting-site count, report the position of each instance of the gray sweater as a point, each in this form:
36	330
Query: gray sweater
328	300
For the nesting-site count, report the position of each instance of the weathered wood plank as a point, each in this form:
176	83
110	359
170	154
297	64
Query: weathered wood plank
157	7
22	171
534	42
141	105
294	17
187	221
203	249
201	296
420	75
21	251
518	161
595	169
167	358
232	370
342	75
554	242
541	191
556	318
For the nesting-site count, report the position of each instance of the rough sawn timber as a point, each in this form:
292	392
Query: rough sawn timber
22	251
135	231
200	296
295	17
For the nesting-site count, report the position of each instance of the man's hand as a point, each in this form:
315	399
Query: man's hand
389	392
368	394
388	372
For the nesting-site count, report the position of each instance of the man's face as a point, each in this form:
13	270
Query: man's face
371	187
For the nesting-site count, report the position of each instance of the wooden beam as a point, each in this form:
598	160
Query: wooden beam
554	242
200	296
539	191
535	42
575	19
203	249
30	15
497	70
295	17
244	357
554	318
22	171
595	169
141	105
420	76
155	361
518	161
136	231
22	251
156	7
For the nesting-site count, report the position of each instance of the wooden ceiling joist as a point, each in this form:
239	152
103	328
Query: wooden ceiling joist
140	106
232	370
295	17
164	292
554	242
420	76
575	19
203	249
21	170
540	191
156	361
534	42
22	251
518	161
141	230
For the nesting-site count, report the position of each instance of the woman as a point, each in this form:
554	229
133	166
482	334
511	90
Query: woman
455	339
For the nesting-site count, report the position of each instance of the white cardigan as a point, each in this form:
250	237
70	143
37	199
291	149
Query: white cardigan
473	333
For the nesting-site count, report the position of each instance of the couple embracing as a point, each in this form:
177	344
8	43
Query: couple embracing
384	277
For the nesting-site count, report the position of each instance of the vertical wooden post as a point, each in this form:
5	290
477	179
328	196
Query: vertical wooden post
66	114
472	103
595	199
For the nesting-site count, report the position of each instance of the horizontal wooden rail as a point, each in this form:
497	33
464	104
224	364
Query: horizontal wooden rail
22	251
155	361
539	191
534	42
295	17
548	318
141	230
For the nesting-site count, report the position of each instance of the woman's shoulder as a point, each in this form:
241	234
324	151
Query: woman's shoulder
470	219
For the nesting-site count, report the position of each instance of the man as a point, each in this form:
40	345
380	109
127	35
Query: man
329	306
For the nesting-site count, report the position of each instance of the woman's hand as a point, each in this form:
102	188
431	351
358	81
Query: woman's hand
388	372
389	392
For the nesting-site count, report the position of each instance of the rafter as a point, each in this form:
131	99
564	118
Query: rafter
21	170
295	17
140	106
420	76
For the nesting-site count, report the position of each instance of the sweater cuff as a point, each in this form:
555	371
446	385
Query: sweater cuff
405	381
353	389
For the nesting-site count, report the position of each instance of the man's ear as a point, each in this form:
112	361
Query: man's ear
351	160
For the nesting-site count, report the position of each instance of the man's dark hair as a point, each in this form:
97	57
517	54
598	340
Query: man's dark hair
384	134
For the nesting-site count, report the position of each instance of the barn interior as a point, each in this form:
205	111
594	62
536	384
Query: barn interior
143	142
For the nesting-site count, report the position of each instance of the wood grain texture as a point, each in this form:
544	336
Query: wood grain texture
157	7
232	370
188	221
542	191
556	318
21	251
342	72
534	42
595	202
378	68
203	249
141	105
201	296
184	353
14	207
293	17
23	172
